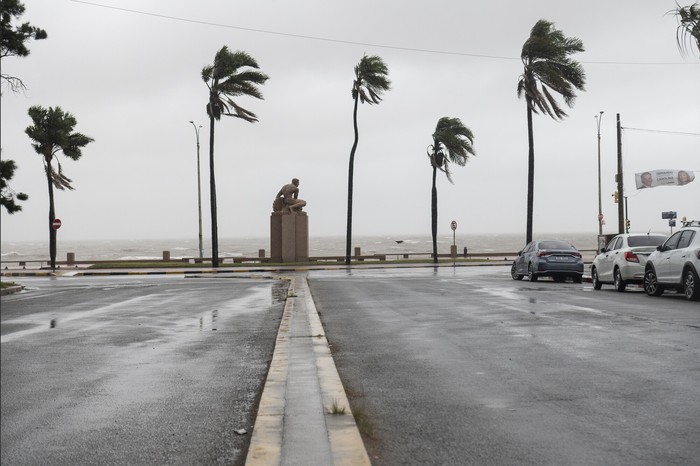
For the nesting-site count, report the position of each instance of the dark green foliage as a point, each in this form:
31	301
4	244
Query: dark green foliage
52	133
8	196
225	82
371	80
547	67
452	142
13	39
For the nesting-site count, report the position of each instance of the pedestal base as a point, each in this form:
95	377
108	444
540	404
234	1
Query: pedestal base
289	237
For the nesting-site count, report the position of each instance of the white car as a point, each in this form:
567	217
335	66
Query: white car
623	260
676	264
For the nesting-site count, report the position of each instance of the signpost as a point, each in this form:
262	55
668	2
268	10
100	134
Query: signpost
453	225
671	216
56	224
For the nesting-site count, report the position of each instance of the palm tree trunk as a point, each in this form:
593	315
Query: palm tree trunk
530	172
348	233
434	212
212	195
52	217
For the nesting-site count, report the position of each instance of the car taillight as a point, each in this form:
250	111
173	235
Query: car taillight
631	257
697	253
543	253
576	254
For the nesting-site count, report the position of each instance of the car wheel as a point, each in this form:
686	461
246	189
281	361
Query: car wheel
619	282
651	283
514	272
594	278
691	285
531	273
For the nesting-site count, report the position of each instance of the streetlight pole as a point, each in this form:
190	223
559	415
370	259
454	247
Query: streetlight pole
600	200
199	191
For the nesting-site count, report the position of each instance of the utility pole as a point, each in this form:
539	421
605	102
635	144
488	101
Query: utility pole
618	178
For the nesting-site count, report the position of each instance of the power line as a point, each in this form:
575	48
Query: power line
662	131
349	42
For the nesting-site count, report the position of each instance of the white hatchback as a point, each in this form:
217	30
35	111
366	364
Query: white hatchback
676	264
623	260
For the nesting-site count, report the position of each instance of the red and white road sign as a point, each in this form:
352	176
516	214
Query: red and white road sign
56	224
453	225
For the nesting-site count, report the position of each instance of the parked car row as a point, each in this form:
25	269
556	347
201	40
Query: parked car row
655	261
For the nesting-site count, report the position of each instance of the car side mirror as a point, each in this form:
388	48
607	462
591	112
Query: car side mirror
602	250
658	248
520	253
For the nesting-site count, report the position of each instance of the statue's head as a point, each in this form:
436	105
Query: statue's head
295	181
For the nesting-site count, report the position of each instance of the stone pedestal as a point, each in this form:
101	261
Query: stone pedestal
289	237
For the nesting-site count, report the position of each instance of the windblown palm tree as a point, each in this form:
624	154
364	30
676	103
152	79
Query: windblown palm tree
231	75
371	80
452	142
52	132
688	30
547	70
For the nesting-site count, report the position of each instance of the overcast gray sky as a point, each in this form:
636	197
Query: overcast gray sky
133	81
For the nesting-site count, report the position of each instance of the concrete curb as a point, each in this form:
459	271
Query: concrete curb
10	290
338	441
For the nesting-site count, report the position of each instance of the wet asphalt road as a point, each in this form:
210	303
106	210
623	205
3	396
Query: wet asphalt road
466	366
134	370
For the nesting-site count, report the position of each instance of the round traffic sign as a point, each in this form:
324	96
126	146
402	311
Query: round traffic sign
56	224
453	225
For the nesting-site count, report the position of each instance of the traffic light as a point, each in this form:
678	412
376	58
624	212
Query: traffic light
627	222
617	198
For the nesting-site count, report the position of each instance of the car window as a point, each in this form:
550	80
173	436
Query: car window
646	240
556	245
672	242
611	244
686	239
618	243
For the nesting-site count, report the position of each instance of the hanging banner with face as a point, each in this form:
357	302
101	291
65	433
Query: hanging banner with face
654	178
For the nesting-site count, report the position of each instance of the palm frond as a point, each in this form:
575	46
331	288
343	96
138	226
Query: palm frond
549	70
371	80
688	30
233	74
452	143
